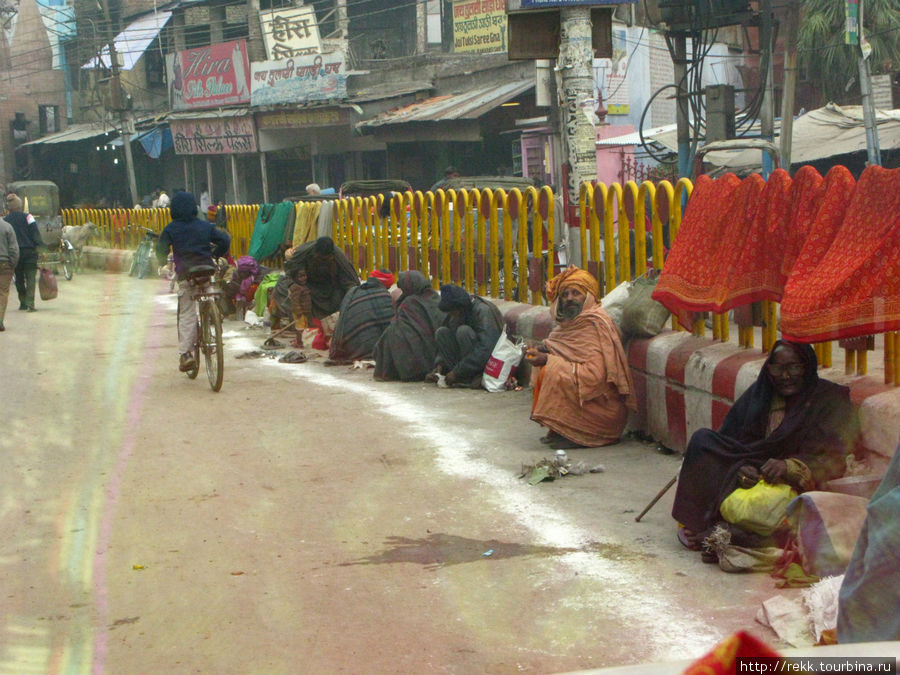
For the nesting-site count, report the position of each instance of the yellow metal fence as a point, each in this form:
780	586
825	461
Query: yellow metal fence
486	241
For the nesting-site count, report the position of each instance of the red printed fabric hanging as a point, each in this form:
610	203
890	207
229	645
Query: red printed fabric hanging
753	266
849	286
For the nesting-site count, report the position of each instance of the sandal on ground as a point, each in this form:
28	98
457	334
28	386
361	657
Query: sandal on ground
563	443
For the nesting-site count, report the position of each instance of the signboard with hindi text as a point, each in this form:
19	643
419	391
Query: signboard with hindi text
214	136
300	119
292	31
303	79
479	25
209	77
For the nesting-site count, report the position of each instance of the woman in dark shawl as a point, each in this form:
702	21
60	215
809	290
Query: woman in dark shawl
318	276
790	426
364	314
407	348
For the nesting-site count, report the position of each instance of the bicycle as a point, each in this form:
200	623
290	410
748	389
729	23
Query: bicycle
143	257
201	280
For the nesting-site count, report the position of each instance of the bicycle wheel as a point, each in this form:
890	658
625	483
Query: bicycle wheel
211	325
192	373
134	264
68	265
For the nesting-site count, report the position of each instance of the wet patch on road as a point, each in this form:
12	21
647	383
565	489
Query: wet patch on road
442	550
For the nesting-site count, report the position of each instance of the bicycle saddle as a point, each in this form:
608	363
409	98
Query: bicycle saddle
201	271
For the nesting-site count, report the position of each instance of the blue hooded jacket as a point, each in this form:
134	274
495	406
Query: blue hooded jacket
193	241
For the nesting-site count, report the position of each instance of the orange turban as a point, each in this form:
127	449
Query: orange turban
572	276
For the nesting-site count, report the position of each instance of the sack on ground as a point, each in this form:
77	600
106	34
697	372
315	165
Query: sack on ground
761	509
502	365
642	316
47	284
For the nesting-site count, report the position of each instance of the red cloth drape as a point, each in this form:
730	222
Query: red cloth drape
722	660
846	281
701	269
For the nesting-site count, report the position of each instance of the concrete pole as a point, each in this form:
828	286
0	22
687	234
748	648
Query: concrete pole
789	96
265	177
117	105
256	48
576	92
209	180
234	178
342	20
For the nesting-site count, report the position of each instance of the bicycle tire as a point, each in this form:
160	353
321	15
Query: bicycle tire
211	325
68	266
193	372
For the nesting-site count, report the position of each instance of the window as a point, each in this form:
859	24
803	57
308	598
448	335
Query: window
48	119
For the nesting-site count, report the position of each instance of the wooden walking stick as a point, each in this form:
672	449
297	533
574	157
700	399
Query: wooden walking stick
657	498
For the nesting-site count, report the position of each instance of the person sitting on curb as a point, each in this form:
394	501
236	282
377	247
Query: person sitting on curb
316	277
584	389
406	349
364	314
790	426
466	339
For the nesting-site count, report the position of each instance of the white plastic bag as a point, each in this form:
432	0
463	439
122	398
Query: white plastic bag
502	365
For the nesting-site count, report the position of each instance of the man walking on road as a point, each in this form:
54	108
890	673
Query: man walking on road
9	257
194	242
29	239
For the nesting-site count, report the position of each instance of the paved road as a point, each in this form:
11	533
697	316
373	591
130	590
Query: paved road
307	519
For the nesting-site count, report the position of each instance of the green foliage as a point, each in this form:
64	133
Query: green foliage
831	64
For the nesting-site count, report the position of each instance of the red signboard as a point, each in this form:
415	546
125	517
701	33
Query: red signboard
209	77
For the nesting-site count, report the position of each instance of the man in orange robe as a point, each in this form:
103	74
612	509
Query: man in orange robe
584	389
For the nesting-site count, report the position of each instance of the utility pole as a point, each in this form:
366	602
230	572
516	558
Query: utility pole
767	110
117	105
577	105
789	96
682	121
865	86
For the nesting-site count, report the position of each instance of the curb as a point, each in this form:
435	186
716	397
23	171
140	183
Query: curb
684	383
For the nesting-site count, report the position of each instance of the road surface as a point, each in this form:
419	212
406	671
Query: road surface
308	519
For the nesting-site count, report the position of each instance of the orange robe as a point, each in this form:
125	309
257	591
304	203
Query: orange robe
585	389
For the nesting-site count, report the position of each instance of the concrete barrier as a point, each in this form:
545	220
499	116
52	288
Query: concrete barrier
684	383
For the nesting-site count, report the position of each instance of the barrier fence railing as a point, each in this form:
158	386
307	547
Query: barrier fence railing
485	241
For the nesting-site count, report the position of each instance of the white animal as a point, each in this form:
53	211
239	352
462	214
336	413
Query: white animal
78	235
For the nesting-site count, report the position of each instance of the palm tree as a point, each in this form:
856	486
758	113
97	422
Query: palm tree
832	65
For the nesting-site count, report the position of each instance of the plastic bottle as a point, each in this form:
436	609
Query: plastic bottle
561	458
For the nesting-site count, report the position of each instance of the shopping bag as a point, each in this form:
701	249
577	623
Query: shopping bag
760	509
47	284
505	358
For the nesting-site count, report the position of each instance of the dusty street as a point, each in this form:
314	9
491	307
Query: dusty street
308	519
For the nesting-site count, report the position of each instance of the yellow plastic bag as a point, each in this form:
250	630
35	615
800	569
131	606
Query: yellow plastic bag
759	509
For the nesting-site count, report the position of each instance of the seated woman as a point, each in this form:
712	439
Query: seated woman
244	282
406	349
790	426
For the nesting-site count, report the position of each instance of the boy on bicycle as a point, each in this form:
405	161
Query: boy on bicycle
194	242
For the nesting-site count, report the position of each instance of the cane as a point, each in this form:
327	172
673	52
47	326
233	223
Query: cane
657	497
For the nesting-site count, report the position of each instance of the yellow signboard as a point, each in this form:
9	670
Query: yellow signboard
479	25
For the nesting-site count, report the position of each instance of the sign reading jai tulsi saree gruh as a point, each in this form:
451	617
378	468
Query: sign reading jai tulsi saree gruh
302	79
209	77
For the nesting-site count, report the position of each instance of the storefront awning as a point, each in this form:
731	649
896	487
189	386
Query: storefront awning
468	105
132	42
74	132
